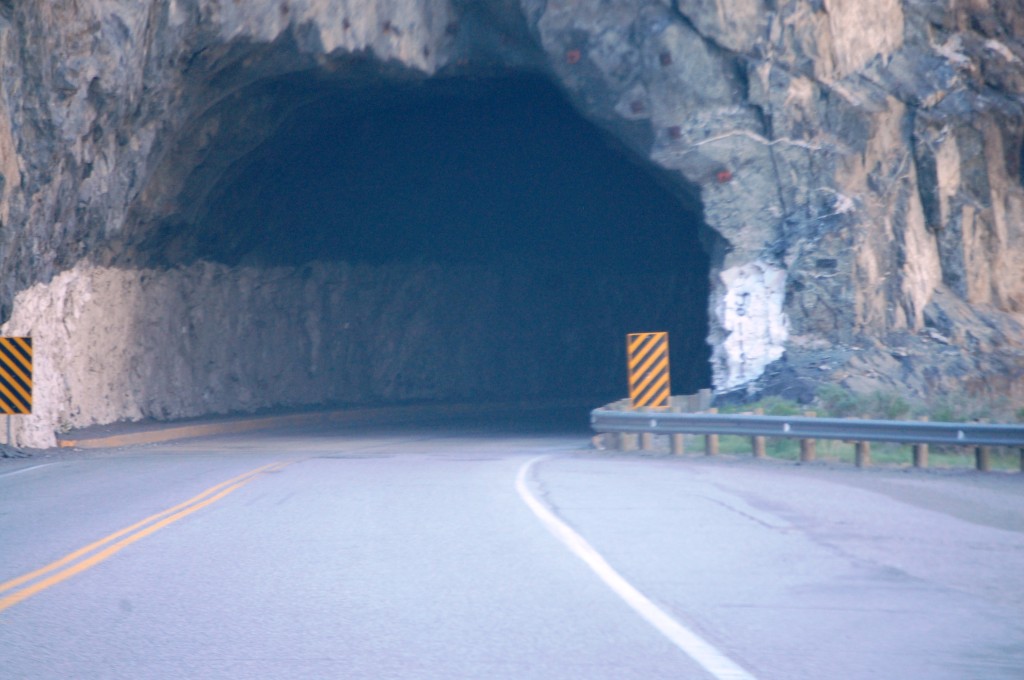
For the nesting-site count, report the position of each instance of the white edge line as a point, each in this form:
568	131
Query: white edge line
697	648
25	469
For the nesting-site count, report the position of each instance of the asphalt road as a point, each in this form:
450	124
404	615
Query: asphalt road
475	553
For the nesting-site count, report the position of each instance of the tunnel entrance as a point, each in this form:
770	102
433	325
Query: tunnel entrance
465	239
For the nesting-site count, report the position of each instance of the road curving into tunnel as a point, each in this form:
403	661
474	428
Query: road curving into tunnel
408	552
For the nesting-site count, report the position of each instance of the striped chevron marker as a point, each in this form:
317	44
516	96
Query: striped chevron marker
647	359
16	376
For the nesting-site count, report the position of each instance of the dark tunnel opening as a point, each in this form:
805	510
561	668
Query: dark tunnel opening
566	242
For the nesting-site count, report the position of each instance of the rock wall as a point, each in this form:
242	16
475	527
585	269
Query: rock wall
858	162
113	344
868	152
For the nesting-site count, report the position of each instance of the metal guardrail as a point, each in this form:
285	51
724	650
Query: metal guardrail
625	425
800	427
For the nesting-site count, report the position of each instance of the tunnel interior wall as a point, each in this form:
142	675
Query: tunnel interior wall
117	344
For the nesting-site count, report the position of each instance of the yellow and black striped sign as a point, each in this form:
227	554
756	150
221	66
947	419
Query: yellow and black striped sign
647	358
16	376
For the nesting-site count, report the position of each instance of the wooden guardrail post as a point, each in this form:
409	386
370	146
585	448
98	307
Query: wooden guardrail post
807	447
982	460
678	443
646	438
862	454
711	440
646	441
921	451
627	441
757	443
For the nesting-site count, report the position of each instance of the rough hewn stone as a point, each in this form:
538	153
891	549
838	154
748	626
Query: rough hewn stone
867	154
113	344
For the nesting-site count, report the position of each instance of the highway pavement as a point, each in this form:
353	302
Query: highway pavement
489	551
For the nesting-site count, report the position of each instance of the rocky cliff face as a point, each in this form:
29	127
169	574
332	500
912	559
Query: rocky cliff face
857	166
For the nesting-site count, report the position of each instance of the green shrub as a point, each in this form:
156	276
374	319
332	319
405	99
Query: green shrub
777	406
838	402
772	406
888	406
945	412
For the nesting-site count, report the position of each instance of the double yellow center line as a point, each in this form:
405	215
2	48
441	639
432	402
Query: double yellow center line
25	586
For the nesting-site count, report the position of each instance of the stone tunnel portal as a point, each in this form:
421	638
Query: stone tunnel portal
441	240
454	239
